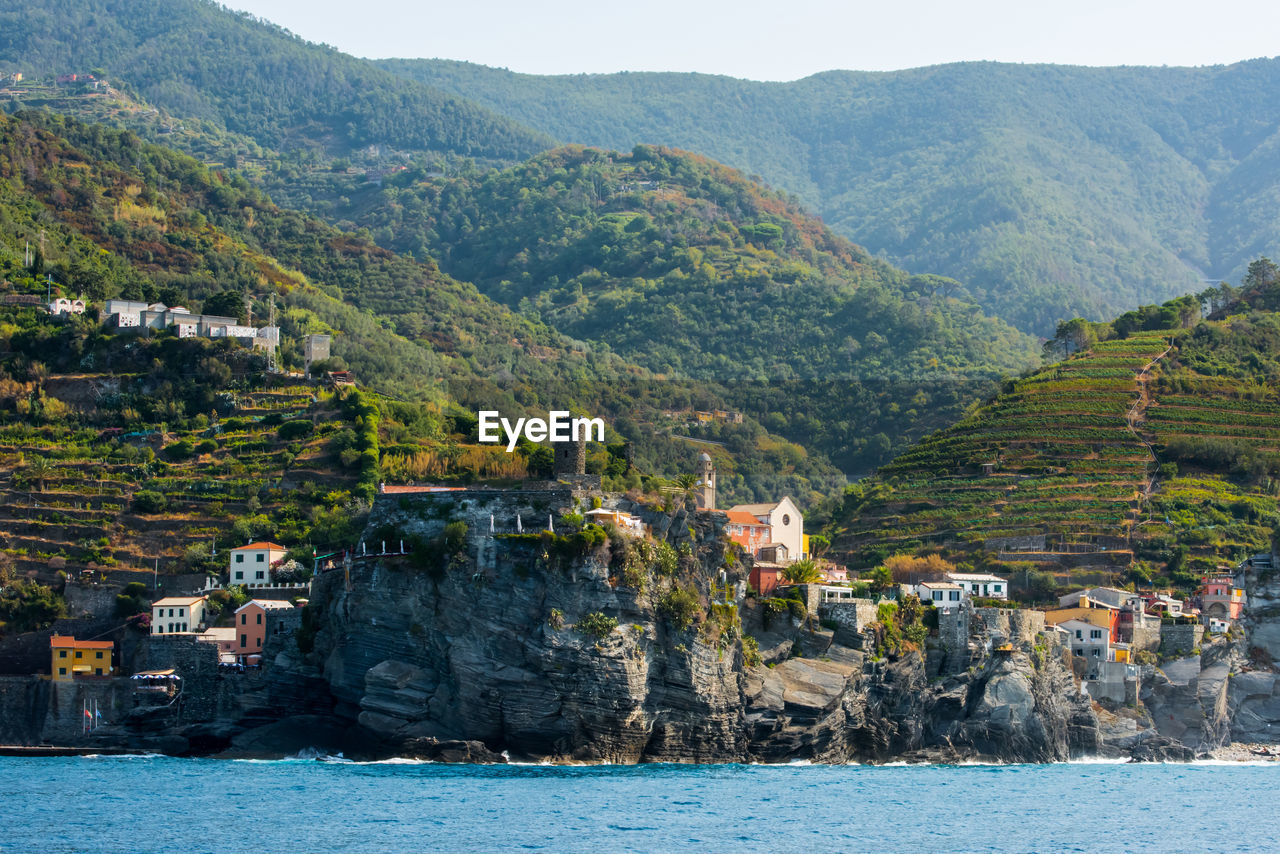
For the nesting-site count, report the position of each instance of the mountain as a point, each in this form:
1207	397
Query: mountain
201	61
1151	453
1049	191
689	269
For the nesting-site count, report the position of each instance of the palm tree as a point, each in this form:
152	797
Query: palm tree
802	572
37	470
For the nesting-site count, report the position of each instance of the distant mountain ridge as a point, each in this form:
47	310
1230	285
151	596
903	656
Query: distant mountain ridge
1050	191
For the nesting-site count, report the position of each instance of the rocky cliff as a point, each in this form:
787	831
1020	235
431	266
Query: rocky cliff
574	649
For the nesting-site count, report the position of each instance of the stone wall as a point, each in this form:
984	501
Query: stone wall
1014	625
1178	640
94	600
24	701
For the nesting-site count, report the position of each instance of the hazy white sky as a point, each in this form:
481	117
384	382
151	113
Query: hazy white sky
783	39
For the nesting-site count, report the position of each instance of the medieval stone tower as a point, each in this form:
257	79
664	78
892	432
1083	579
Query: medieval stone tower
570	458
706	489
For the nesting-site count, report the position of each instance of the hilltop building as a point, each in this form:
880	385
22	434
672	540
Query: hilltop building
1221	598
981	584
127	315
315	348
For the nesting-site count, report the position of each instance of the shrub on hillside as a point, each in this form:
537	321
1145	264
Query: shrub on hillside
149	501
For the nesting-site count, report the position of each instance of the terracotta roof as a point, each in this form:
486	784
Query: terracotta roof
175	601
263	545
740	517
69	642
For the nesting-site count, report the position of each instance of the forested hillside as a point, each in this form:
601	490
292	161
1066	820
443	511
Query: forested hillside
1151	452
691	270
1049	191
405	327
200	61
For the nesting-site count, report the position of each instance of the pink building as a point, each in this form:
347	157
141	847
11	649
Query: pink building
1219	597
251	624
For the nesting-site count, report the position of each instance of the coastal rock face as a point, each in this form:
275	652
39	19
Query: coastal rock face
506	644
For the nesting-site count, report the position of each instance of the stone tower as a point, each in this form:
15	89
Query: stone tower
706	489
570	458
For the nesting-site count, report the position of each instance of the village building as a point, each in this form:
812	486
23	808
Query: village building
621	520
62	307
251	564
224	638
785	522
774	553
982	585
1163	605
1221	598
72	658
747	531
174	615
251	624
705	493
765	577
1108	597
129	315
944	595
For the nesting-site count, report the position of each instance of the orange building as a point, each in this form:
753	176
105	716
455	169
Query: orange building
251	624
747	531
72	658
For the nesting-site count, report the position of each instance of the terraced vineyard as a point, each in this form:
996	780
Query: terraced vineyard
77	497
1053	455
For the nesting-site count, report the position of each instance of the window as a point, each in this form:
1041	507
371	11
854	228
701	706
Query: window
1079	652
244	618
62	671
239	558
786	520
1079	635
259	619
995	588
159	629
260	574
97	671
244	641
62	653
259	640
180	612
239	575
955	595
99	655
79	654
170	612
1097	653
973	588
937	595
1095	634
261	558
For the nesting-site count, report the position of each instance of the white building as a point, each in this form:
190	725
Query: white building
623	521
785	521
66	307
981	584
177	615
251	565
1107	597
1088	641
945	595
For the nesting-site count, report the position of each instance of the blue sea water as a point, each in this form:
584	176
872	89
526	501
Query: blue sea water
182	806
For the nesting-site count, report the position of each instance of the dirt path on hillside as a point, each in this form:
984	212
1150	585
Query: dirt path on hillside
1136	420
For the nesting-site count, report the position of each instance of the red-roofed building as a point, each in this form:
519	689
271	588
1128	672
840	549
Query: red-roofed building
72	658
251	564
747	531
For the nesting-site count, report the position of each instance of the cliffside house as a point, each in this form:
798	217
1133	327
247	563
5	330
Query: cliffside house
72	658
175	615
785	521
251	624
775	553
1109	597
1163	605
251	564
621	520
944	595
224	638
747	531
980	584
1221	598
1091	631
765	577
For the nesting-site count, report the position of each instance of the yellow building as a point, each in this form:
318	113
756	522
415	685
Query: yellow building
72	658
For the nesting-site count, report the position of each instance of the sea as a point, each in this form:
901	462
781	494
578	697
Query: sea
183	806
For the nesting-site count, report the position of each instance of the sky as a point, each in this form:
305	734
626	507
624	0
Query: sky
782	39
